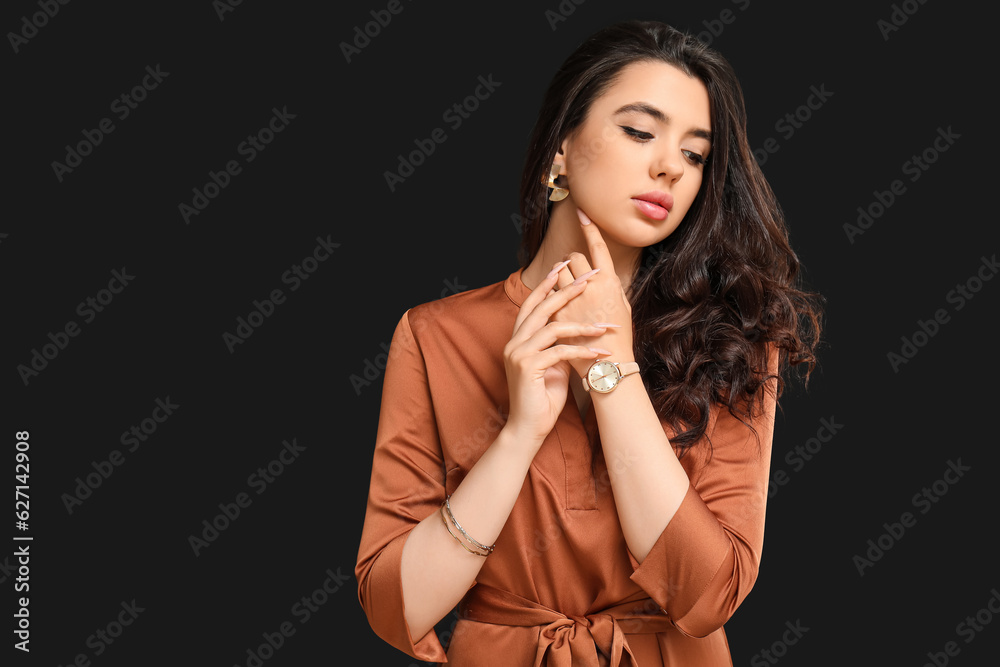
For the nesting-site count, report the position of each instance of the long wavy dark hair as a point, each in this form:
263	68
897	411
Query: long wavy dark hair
709	299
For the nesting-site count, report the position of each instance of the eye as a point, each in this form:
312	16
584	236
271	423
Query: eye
695	157
638	135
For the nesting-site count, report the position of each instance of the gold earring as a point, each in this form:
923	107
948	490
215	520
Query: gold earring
558	193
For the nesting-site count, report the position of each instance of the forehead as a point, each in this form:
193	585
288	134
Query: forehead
680	96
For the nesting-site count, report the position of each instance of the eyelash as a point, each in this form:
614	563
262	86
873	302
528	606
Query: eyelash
643	137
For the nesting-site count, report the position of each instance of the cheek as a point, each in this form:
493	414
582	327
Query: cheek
693	187
597	180
600	154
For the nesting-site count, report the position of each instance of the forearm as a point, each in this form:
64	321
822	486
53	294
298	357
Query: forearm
647	480
436	570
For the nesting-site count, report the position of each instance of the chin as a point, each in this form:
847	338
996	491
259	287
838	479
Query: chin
641	233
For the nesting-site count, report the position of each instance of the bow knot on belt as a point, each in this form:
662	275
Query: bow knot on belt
594	640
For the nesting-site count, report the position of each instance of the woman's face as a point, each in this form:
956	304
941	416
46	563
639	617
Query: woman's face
647	134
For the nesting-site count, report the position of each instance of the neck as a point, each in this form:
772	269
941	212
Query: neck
564	236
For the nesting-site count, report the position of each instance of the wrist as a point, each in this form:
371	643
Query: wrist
619	357
514	436
583	365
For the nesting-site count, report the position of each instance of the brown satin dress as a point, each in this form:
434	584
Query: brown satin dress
561	588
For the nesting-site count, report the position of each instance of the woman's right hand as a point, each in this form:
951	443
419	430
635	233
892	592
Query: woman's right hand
538	369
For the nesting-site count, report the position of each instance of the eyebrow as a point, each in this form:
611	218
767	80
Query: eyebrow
659	116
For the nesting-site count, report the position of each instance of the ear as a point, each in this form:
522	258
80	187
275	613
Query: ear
560	156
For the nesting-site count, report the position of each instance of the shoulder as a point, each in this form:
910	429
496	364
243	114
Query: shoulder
471	310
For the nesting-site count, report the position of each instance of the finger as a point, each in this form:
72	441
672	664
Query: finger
549	334
600	256
566	275
551	356
540	314
537	295
578	264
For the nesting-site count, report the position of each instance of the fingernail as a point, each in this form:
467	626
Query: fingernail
559	267
606	325
598	350
584	220
585	276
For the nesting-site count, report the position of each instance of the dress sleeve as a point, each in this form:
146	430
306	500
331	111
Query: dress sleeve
705	561
407	485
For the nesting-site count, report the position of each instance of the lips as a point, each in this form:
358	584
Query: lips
664	199
655	205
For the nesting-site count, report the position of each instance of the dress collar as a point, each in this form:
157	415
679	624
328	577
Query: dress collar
515	288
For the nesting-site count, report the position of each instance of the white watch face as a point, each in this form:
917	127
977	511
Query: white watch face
603	376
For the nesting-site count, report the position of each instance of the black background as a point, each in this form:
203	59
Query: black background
450	224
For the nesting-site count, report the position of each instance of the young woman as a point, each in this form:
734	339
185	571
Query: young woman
578	455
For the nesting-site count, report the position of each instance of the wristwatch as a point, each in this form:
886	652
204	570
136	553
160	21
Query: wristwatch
603	376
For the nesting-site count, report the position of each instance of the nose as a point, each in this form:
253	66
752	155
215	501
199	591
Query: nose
669	164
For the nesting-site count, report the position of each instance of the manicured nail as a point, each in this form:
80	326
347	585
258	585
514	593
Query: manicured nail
559	267
605	325
585	276
598	350
584	220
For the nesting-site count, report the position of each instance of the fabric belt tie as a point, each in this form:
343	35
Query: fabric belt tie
567	641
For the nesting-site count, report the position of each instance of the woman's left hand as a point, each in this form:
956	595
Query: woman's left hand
603	302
